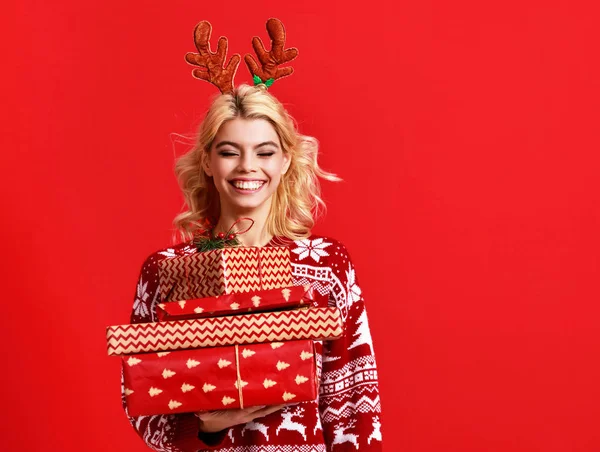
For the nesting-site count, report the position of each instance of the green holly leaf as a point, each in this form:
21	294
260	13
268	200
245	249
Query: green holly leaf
257	80
269	82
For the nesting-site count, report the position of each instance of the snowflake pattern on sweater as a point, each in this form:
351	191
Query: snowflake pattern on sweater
347	413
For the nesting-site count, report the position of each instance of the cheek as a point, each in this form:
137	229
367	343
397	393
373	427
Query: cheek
274	177
221	170
275	182
275	168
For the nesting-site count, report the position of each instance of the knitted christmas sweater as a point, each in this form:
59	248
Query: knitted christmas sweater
346	414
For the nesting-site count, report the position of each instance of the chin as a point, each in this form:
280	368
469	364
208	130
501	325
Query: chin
248	205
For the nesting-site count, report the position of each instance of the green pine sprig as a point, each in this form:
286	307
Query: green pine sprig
207	243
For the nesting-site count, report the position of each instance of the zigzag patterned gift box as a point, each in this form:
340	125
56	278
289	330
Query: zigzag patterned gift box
220	378
313	323
240	303
223	271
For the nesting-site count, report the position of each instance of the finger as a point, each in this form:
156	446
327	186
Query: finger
202	36
215	414
253	409
259	49
266	411
277	34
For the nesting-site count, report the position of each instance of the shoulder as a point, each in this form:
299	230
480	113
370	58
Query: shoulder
319	250
180	249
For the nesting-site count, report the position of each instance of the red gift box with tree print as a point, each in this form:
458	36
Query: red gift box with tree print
220	377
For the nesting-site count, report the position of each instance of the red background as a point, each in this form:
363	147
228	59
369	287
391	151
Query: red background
464	132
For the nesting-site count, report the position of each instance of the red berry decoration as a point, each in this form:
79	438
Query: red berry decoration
231	237
221	235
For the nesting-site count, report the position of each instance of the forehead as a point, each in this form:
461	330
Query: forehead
247	132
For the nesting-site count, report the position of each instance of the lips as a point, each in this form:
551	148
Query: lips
247	185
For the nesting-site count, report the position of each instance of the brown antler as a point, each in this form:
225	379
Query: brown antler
271	60
215	72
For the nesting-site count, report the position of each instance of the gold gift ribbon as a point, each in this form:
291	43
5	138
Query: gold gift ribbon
239	378
187	279
260	278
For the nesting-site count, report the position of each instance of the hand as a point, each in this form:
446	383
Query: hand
215	421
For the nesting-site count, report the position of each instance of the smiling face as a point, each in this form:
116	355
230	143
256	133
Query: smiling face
246	162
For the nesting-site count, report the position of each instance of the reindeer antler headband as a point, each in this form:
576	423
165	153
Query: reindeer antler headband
211	65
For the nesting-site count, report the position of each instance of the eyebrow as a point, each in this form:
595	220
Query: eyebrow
237	146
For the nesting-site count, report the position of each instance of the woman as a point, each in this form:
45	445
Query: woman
250	161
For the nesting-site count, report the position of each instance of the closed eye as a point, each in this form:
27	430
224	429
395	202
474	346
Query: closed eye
266	154
227	154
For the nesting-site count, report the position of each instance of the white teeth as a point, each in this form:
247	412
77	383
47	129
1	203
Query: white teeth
252	185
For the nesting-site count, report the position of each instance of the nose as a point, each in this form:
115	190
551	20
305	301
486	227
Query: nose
247	162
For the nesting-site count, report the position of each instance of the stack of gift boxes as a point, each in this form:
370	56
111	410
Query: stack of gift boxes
233	332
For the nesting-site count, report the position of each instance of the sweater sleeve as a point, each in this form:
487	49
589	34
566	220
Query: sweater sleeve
349	403
168	432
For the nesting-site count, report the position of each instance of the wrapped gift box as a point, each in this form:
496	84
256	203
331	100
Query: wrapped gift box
224	271
238	303
313	323
220	378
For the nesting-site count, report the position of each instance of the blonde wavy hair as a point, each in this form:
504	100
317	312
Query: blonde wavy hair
297	202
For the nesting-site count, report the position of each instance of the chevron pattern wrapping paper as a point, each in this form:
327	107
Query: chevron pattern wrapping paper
220	378
313	323
224	271
238	303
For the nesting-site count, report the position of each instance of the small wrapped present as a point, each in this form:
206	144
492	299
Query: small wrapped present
239	303
224	271
220	378
310	323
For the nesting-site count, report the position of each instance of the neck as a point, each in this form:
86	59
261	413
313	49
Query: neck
257	235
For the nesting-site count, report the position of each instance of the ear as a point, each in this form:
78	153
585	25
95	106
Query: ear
206	166
286	162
